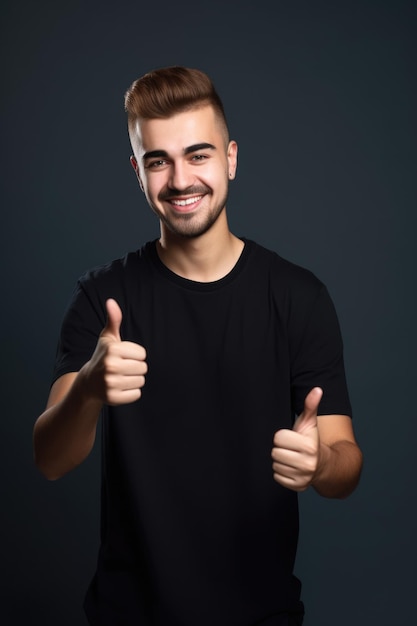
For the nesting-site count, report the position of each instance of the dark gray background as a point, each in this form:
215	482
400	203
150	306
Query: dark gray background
321	97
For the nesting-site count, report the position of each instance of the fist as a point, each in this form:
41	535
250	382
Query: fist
116	371
295	455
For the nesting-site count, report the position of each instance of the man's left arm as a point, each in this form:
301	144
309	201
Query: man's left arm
321	450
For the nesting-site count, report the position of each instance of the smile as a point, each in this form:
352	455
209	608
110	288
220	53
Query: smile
186	202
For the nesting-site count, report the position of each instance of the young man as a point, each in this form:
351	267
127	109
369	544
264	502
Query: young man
199	523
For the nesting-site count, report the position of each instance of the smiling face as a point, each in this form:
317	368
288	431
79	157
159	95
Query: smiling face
184	164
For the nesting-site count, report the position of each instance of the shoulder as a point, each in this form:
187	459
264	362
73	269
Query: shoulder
295	293
285	276
118	279
117	271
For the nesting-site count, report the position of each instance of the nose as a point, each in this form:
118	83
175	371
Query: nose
180	176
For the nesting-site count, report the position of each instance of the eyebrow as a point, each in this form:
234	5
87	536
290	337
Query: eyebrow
199	146
155	154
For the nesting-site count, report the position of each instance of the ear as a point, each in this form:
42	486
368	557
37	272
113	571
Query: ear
135	166
232	159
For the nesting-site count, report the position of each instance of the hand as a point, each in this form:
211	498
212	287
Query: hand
296	453
116	372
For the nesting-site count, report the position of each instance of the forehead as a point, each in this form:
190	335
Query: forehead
175	133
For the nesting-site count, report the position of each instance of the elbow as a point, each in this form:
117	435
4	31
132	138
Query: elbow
51	477
336	492
42	459
54	461
45	468
339	492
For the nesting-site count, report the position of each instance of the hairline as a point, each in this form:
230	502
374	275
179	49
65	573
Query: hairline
194	106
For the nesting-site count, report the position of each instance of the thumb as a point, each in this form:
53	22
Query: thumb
114	320
308	418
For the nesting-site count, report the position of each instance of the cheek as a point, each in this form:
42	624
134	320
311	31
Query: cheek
152	185
218	175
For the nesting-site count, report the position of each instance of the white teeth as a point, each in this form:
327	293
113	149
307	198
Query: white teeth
186	202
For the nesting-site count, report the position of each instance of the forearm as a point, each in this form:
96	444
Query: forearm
339	469
64	434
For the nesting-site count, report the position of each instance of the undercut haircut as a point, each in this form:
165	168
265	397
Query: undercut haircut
164	92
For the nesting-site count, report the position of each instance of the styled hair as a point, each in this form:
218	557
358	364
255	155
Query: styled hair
166	91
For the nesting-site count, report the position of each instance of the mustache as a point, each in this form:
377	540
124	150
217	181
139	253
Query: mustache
195	190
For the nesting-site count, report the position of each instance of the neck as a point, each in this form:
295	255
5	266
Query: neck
206	258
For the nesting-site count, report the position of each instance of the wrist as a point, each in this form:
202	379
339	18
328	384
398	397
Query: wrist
84	388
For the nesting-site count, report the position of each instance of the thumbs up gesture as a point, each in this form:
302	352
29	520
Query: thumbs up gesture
111	331
116	371
296	452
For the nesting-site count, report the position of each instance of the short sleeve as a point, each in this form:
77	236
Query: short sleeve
83	321
317	358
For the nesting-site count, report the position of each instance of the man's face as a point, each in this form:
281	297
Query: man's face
184	165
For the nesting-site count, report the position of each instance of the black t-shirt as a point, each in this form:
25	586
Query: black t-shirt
195	531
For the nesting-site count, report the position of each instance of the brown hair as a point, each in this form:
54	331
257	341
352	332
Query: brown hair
169	90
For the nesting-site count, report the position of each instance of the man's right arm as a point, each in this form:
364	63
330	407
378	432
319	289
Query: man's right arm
64	434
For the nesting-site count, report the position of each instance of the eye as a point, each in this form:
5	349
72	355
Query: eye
153	165
198	158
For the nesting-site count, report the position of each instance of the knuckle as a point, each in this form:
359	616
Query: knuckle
108	379
110	365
